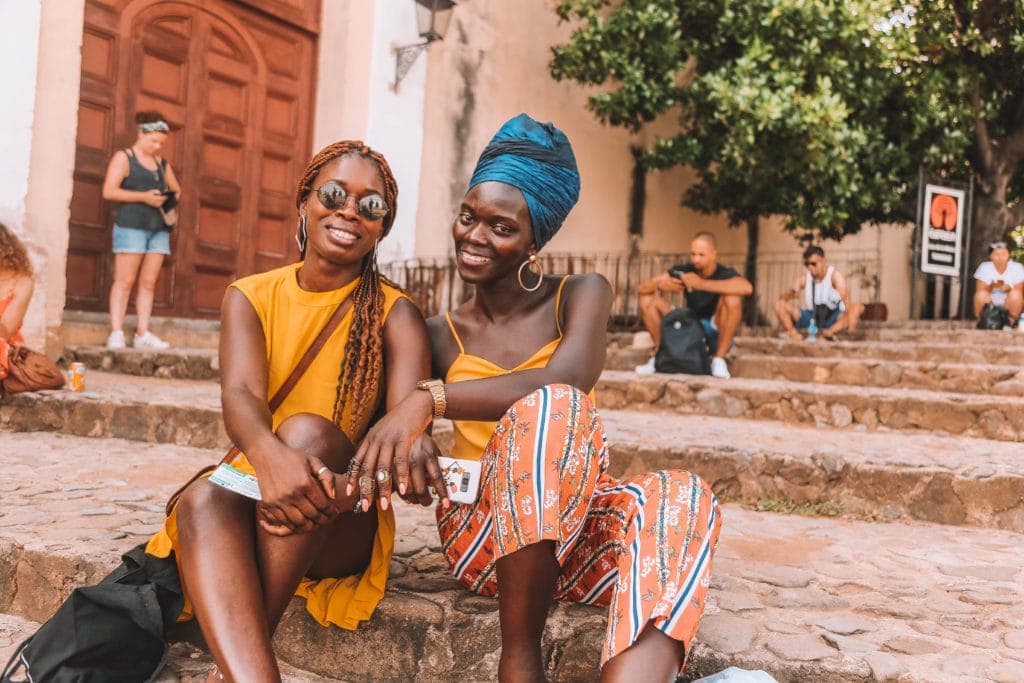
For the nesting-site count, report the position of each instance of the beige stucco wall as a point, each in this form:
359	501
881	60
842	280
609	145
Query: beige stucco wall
343	71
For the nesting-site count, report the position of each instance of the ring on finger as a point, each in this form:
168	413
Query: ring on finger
366	486
383	476
323	469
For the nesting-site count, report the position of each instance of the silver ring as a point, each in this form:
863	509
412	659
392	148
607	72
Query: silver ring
383	476
323	469
366	486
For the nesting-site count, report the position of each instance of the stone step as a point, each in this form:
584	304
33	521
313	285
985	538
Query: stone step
88	328
959	378
882	476
173	363
823	405
823	599
920	352
885	475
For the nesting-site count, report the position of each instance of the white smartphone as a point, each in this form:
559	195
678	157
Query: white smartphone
462	477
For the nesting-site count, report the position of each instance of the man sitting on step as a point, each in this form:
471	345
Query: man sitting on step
824	298
713	292
1000	282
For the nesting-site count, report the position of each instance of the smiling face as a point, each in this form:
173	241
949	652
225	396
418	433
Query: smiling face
342	235
493	233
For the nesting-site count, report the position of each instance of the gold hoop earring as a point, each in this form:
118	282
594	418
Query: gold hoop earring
534	265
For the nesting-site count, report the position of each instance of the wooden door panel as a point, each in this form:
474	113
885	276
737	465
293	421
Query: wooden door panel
241	125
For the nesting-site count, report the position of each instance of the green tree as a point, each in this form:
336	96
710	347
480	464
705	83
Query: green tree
816	110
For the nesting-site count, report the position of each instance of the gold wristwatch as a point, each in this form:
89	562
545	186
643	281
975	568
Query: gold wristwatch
436	389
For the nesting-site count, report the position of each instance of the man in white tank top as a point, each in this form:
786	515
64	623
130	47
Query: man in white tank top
823	290
1000	281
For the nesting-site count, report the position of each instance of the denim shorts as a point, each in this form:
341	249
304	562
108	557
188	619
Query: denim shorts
711	335
136	241
805	318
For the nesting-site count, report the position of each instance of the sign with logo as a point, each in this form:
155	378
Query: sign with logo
942	230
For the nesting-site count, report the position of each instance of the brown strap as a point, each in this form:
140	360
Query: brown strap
311	353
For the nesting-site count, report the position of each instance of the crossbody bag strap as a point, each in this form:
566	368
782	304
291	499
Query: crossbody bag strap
311	353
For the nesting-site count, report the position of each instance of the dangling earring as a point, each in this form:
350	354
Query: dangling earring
301	236
534	265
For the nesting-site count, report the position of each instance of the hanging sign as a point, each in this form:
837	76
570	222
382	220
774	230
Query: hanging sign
942	230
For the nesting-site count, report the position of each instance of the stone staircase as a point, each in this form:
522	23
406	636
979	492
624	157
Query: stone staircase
872	512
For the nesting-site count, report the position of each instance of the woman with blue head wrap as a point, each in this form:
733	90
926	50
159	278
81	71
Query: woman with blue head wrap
537	517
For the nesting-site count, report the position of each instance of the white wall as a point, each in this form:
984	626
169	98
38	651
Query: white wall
19	46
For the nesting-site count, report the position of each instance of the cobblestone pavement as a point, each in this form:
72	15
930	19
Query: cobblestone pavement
814	598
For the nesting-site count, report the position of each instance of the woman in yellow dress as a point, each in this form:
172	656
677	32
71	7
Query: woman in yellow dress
241	561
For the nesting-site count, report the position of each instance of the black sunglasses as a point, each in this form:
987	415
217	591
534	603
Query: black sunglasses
333	196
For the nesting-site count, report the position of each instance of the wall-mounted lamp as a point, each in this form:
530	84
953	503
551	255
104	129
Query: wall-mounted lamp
432	17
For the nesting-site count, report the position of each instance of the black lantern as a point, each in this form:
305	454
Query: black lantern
432	18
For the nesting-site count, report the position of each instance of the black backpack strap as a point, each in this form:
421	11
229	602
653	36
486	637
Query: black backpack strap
15	662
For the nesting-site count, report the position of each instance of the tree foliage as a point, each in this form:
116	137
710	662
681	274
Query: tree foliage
817	110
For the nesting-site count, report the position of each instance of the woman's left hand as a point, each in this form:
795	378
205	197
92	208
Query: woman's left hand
384	451
424	474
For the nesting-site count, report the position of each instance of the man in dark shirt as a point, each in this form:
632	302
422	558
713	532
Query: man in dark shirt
713	292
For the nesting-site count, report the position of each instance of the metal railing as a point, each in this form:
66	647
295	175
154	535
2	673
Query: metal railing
437	288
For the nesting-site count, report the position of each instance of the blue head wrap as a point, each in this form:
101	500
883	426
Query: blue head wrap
536	158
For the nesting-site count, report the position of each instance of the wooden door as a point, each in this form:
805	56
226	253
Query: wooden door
235	81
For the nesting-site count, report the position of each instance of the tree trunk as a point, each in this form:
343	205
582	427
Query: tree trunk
751	315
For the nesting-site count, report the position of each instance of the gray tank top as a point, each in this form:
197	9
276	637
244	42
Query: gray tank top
141	179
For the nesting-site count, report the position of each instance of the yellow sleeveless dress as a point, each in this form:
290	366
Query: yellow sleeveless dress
291	318
471	436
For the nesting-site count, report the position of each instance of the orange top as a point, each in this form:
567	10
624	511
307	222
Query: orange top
471	436
15	338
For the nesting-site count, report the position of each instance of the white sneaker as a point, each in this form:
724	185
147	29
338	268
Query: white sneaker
116	340
719	369
645	369
150	341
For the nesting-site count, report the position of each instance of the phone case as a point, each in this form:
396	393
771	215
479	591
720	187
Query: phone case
462	477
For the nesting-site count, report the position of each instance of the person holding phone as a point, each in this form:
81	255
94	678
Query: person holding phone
824	297
1000	282
714	292
143	182
514	368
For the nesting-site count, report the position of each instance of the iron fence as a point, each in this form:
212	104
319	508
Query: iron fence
436	286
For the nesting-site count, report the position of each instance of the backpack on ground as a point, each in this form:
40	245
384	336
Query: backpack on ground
684	347
113	632
993	318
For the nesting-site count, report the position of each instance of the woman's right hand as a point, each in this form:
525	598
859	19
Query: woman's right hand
294	497
154	198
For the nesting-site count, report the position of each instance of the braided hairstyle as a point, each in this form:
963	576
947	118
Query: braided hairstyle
362	364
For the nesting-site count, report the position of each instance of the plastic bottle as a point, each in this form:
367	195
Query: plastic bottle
812	330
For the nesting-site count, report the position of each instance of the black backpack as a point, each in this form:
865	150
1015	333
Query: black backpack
113	632
683	348
993	318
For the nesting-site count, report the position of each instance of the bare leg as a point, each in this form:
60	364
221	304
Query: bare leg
652	309
727	320
238	619
653	657
1014	304
526	584
148	275
784	312
853	317
126	266
981	297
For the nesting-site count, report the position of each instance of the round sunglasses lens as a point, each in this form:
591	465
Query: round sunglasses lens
373	206
332	195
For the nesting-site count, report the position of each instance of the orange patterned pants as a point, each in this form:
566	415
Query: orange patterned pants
642	546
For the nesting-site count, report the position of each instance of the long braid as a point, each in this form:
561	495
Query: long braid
361	370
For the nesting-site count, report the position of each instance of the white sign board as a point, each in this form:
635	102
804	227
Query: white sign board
942	230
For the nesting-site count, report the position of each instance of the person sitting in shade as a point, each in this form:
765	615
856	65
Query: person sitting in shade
714	292
1000	282
823	289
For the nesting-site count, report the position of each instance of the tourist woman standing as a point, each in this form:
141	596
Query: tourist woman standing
142	181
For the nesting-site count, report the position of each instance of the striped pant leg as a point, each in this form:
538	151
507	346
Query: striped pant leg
539	472
645	551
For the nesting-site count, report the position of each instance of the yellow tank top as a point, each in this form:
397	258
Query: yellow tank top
471	436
